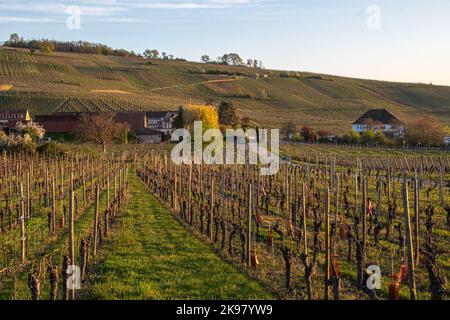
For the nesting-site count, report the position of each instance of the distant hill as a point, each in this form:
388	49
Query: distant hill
83	82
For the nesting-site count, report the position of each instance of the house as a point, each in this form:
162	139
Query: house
148	136
379	120
161	120
10	118
447	140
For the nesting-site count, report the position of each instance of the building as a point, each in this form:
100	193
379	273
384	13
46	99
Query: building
377	120
67	122
447	140
161	120
10	118
64	122
148	136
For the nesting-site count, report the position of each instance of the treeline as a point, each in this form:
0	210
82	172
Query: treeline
233	59
49	46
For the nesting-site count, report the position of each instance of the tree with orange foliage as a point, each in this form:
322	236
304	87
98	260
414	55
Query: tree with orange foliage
425	130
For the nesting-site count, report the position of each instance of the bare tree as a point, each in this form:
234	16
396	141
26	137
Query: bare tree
101	128
426	130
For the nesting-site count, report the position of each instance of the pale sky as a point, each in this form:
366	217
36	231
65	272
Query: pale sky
397	40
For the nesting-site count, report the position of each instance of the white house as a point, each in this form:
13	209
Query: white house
161	120
447	140
377	120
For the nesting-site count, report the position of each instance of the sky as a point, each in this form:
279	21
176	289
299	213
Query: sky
396	40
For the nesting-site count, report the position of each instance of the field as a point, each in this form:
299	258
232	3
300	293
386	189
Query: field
81	82
140	227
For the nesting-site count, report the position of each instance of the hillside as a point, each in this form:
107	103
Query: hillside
81	82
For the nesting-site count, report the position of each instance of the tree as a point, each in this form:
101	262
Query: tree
381	138
155	54
151	54
33	45
447	131
352	137
205	58
368	137
14	38
47	47
34	130
290	129
235	59
309	134
207	114
101	128
425	130
178	122
228	115
231	58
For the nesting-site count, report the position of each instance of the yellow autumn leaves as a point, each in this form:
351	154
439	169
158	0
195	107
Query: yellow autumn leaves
207	114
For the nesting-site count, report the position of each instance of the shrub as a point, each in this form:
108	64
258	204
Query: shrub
52	149
309	134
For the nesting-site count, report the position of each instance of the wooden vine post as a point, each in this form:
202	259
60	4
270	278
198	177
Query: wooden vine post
211	210
249	225
22	226
409	242
327	243
72	239
174	195
97	198
53	207
416	218
305	237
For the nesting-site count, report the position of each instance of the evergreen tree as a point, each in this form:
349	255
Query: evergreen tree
178	122
228	115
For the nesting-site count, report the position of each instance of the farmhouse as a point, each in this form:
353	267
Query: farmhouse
10	118
161	120
379	120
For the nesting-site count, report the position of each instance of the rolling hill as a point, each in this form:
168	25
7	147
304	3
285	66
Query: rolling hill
82	82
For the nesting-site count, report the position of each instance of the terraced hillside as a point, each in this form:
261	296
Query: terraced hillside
76	82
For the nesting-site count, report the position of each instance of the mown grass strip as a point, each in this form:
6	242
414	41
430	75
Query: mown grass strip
151	256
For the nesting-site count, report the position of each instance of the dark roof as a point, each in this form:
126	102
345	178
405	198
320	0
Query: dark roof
147	132
159	114
21	113
378	116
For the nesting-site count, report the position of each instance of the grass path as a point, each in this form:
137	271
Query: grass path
151	256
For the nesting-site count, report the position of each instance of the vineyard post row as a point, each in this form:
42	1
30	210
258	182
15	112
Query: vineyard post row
248	200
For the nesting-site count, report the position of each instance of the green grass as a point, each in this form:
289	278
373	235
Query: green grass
151	256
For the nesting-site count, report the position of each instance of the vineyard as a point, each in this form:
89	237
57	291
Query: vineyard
45	222
309	232
46	83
